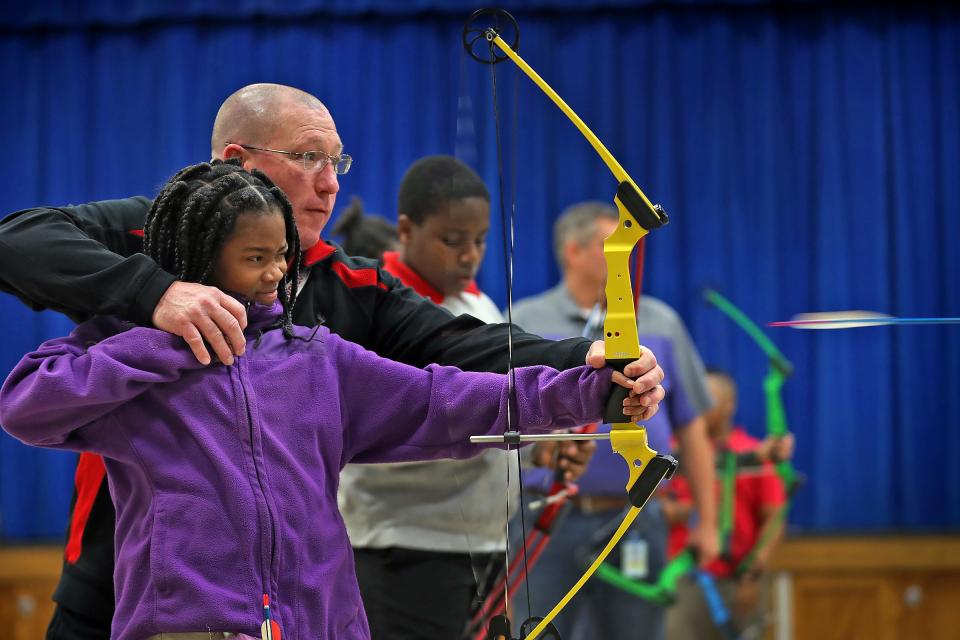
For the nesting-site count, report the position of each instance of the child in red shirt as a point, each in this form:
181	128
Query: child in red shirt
758	497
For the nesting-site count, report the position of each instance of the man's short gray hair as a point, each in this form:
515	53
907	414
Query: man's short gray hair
578	223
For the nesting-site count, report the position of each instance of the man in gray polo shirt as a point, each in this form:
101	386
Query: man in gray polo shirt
575	308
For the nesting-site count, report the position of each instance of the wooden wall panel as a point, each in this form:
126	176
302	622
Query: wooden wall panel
28	576
881	588
891	588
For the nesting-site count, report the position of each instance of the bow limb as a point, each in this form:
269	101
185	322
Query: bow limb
647	469
777	420
750	327
663	591
629	195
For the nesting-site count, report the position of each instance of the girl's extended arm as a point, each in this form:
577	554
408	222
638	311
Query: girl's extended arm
394	412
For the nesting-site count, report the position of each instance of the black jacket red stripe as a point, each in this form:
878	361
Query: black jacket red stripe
106	273
90	477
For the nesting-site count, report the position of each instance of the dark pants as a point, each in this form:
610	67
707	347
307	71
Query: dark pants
70	625
410	594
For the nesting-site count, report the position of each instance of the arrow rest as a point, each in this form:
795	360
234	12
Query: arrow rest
482	27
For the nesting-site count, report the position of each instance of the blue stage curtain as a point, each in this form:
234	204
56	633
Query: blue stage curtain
806	154
121	13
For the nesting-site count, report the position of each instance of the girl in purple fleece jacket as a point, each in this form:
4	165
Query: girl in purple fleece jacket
225	478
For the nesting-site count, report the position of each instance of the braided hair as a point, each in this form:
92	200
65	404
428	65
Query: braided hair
197	210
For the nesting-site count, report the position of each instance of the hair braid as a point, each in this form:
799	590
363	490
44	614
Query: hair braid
288	291
197	210
209	222
157	229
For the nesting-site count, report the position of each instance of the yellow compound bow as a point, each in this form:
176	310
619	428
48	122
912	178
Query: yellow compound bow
637	217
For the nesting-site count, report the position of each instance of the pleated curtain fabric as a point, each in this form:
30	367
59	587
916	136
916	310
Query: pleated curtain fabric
807	154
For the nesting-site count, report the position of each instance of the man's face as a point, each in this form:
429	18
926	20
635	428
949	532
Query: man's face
312	193
587	261
447	248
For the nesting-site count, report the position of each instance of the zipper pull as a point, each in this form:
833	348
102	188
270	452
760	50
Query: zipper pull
269	630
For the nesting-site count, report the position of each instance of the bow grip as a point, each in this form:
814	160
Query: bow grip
613	412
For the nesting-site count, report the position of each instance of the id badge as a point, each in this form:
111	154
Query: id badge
634	559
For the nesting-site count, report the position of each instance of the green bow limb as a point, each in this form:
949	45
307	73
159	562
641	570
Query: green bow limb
777	359
777	419
663	591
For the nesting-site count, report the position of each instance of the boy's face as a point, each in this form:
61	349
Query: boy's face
447	248
253	259
719	417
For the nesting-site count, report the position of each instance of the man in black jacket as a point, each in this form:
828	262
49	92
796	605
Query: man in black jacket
86	260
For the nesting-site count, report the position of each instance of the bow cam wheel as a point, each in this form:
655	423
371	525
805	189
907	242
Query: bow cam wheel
549	633
482	27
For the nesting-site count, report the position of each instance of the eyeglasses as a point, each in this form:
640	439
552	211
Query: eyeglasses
311	160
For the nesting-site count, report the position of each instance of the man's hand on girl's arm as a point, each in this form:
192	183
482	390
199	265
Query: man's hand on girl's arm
199	313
